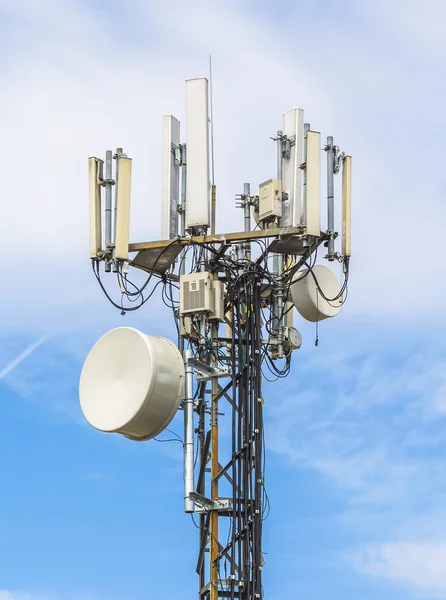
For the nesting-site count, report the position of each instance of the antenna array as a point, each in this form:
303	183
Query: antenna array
232	298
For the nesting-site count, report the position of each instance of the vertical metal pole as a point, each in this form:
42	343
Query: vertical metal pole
108	204
183	196
119	151
213	207
279	176
279	155
278	265
182	226
203	319
212	121
330	197
247	210
188	411
213	554
247	217
214	190
307	128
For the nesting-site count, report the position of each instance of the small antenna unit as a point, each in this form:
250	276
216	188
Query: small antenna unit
95	178
171	177
313	181
123	186
346	205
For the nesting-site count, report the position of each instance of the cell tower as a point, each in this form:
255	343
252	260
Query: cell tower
232	297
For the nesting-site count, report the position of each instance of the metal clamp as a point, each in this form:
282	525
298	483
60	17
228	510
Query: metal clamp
287	143
205	372
205	505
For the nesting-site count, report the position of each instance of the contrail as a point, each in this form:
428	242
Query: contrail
21	357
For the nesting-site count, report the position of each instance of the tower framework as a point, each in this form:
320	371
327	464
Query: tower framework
228	359
232	297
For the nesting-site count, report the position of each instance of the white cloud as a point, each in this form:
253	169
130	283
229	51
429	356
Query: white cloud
360	415
420	565
66	100
371	423
417	26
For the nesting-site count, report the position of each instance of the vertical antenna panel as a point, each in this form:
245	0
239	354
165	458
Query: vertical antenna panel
293	124
95	168
346	205
171	178
123	208
313	193
197	137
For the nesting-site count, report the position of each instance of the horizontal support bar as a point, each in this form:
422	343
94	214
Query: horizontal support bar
220	238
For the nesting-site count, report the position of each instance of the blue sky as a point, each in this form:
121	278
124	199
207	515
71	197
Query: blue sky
356	435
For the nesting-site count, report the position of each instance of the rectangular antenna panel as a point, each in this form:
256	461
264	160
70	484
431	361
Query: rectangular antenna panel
293	126
346	205
197	139
123	185
95	175
171	178
313	188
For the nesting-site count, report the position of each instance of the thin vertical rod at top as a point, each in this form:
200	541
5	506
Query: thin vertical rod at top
211	103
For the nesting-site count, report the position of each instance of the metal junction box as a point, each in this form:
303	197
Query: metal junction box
270	199
200	293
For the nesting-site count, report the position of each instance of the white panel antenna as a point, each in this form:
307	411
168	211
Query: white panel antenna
123	186
293	125
95	178
346	205
171	177
313	179
197	138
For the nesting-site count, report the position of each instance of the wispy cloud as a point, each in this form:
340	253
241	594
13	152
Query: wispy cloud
372	425
8	595
9	368
420	565
50	377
